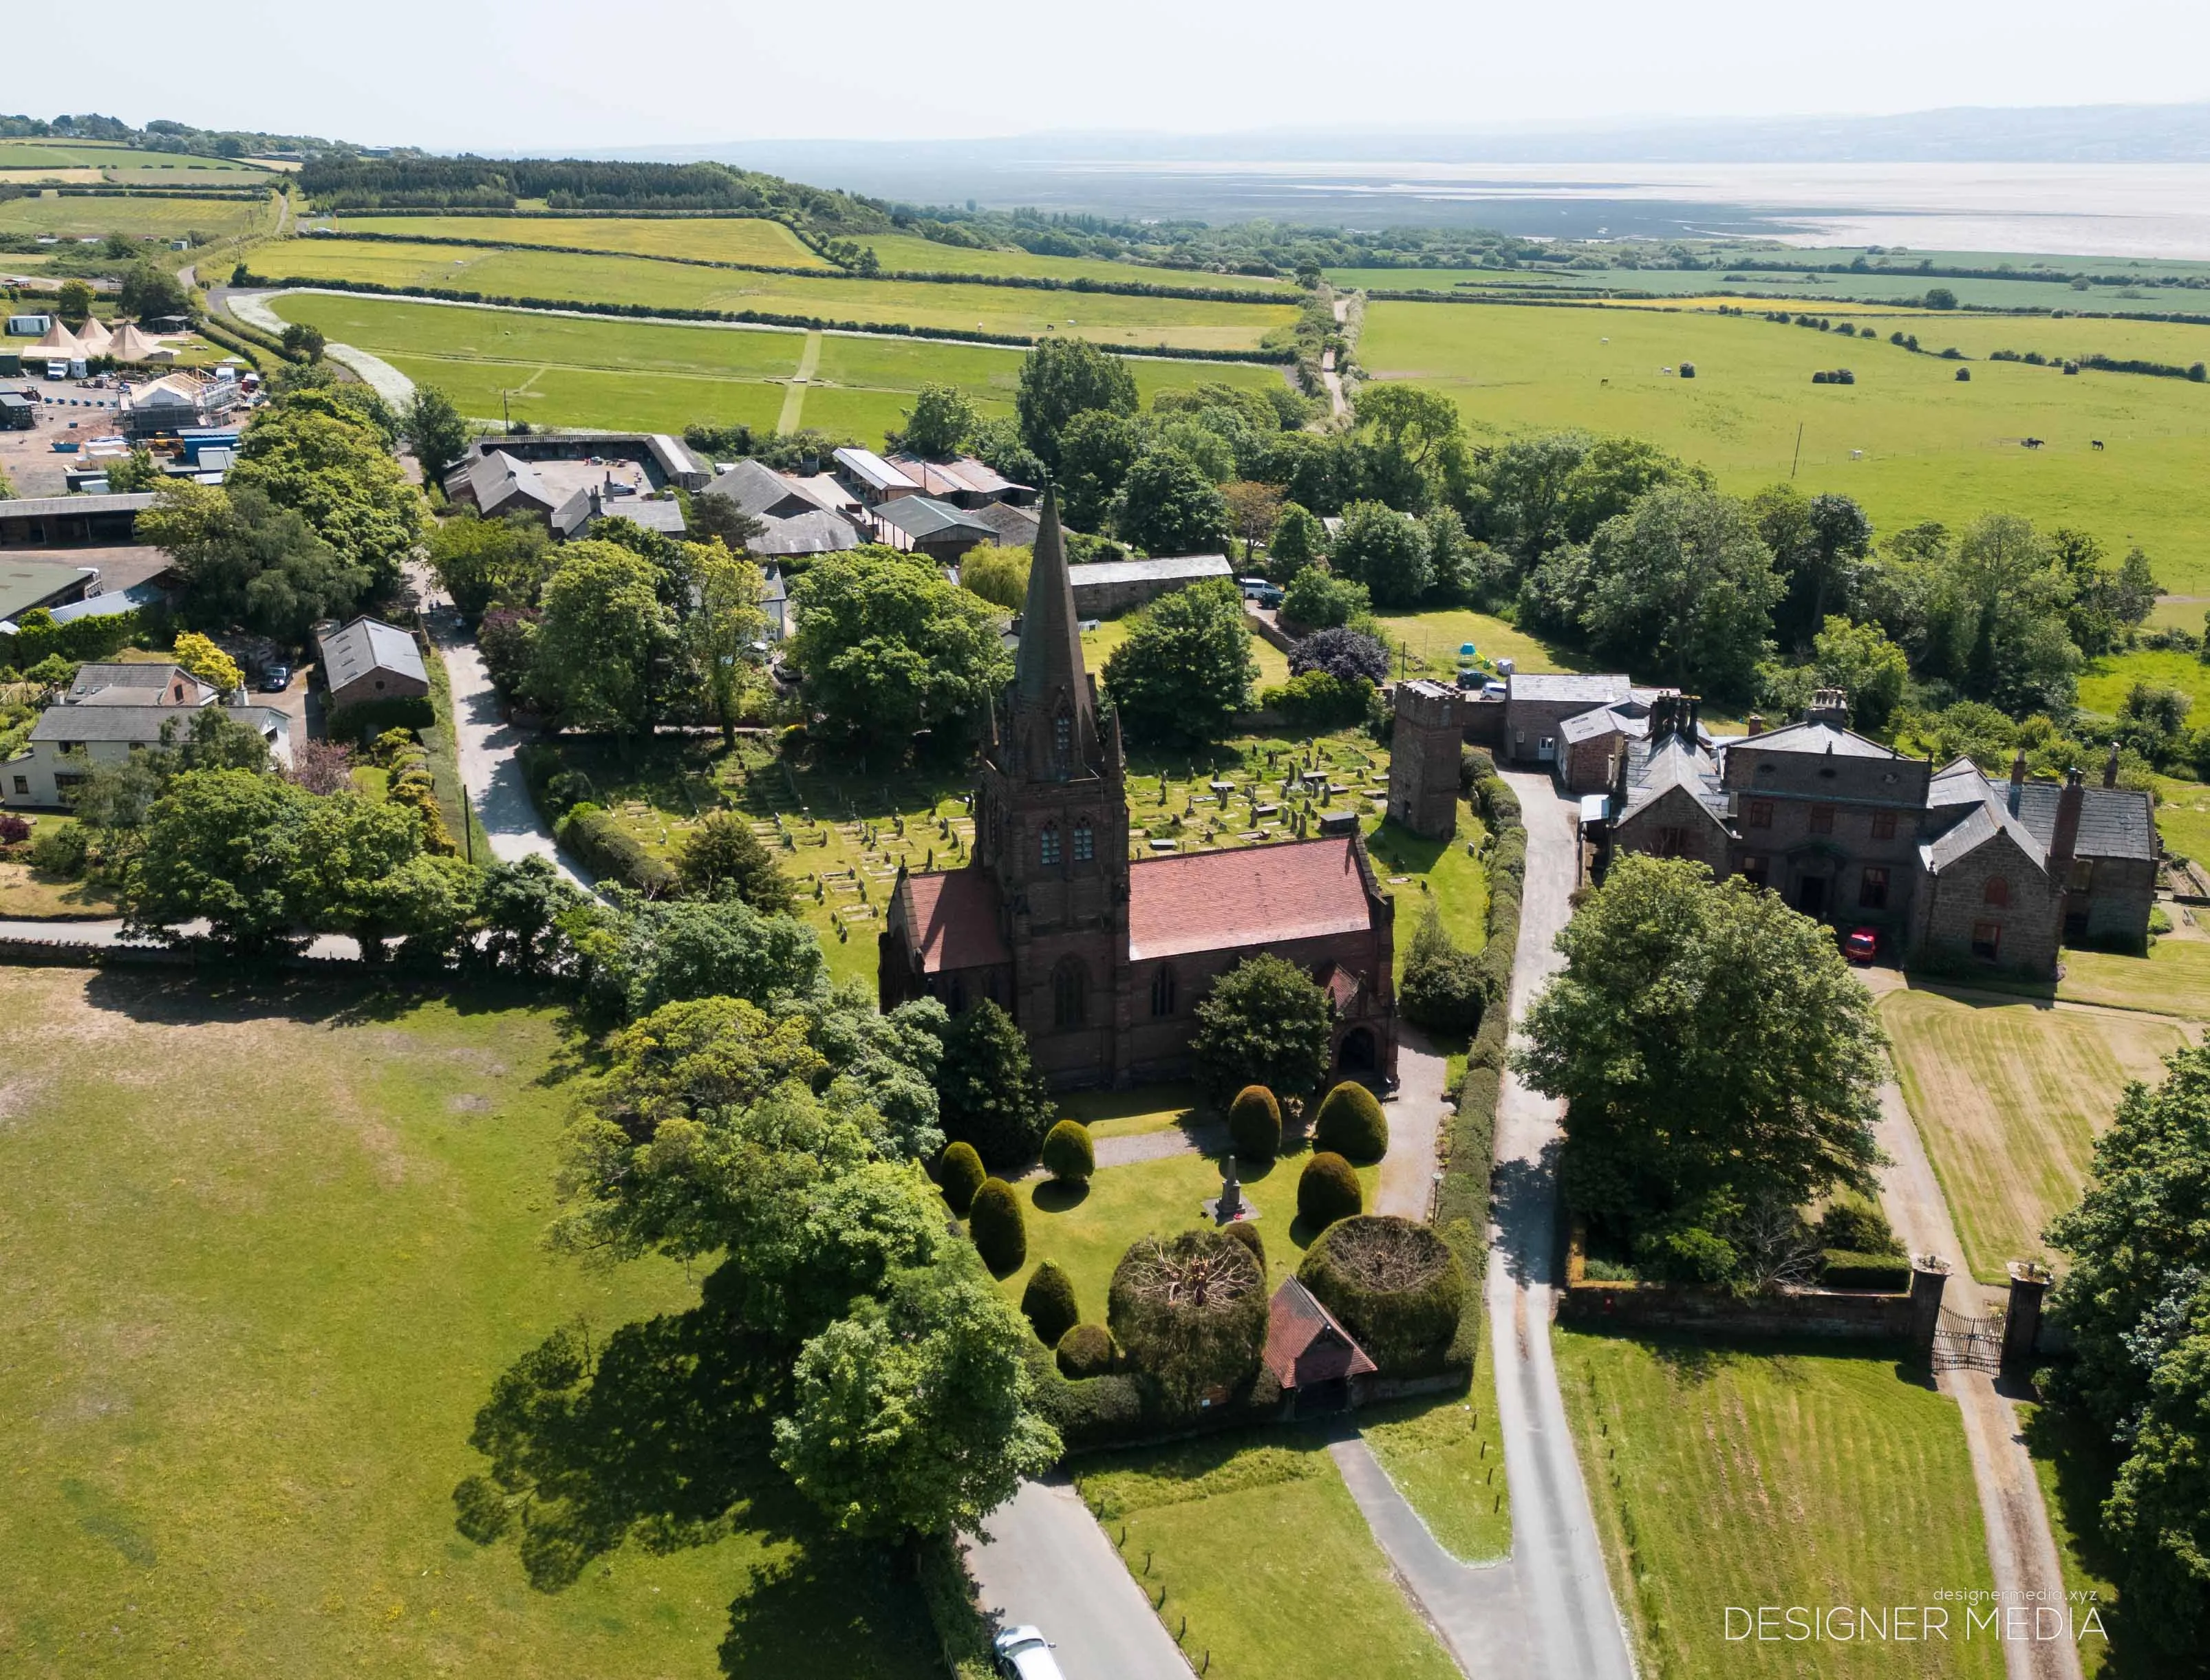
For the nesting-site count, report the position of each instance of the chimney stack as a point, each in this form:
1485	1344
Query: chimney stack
2111	767
2066	839
1830	706
1757	723
2017	779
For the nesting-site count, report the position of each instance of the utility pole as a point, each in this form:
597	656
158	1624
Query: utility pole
1798	460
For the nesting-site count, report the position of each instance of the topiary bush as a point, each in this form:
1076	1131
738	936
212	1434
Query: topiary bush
1857	1225
1396	1285
960	1175
994	1223
1245	1232
1328	1190
1068	1156
1049	1304
1086	1349
1351	1124
1254	1123
1190	1312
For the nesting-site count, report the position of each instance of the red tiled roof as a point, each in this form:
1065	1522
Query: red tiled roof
1270	895
1304	1342
955	921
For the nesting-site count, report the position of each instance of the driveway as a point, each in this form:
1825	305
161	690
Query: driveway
1047	1563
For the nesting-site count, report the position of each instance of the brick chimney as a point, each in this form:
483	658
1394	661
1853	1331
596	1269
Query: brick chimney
1830	706
2017	779
2111	767
1757	723
2066	839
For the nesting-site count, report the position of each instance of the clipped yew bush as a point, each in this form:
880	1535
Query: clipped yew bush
994	1222
1049	1301
1067	1154
1245	1232
1254	1124
1328	1190
1085	1351
1190	1312
960	1175
1351	1124
1396	1285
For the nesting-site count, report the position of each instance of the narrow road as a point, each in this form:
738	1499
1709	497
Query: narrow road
1563	1609
1047	1563
1338	407
109	932
1416	1126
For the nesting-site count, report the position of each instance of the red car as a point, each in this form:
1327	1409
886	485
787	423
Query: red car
1861	945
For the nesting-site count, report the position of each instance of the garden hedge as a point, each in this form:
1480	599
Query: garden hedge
610	851
1328	1190
371	718
1068	1155
1839	1268
1085	1351
960	1175
1351	1123
1049	1303
1254	1124
994	1221
1395	1284
1245	1232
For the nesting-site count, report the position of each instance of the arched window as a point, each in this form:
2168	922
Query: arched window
1085	841
1162	992
1048	846
1069	994
1998	892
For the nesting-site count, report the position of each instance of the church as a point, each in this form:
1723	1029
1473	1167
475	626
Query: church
1101	960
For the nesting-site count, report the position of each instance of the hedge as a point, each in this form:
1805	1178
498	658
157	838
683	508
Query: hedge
1085	1351
1405	1328
1068	1155
994	1225
960	1175
1351	1123
1048	1303
610	851
38	637
1187	1346
963	1630
1254	1124
1247	1232
371	718
1328	1190
1839	1268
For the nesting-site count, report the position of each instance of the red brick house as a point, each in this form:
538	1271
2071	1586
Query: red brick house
1102	960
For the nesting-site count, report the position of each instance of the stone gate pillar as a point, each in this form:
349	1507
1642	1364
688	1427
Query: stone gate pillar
2029	1282
1929	1275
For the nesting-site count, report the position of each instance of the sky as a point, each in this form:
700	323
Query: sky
561	76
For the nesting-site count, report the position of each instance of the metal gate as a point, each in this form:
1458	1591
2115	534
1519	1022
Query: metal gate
1962	1344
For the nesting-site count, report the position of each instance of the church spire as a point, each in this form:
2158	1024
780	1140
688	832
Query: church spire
1049	663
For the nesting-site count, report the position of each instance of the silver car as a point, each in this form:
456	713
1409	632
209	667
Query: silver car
1024	1653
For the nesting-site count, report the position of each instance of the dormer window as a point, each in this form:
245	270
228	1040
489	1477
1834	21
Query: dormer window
1085	842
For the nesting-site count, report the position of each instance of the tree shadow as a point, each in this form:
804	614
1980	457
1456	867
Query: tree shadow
1058	1195
1523	1203
237	992
824	1605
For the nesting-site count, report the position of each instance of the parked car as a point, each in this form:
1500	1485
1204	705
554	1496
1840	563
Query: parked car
1024	1653
1861	945
275	680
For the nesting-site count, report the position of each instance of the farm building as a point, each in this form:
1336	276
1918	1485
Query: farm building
661	461
495	484
872	479
814	532
1104	588
366	660
965	482
923	525
1016	526
576	516
71	521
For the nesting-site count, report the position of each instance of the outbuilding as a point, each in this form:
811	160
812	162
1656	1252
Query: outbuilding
368	659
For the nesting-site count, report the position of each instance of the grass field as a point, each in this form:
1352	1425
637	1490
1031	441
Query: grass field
281	1244
559	371
1268	1569
919	255
1931	448
2173	979
1446	1457
109	158
87	218
1805	1478
635	280
715	238
2009	1098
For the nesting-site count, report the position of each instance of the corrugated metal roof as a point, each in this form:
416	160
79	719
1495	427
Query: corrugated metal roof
44	507
921	517
1131	571
871	469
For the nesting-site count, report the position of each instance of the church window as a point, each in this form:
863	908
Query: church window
1162	992
1070	1000
1048	846
1062	741
1085	842
1998	892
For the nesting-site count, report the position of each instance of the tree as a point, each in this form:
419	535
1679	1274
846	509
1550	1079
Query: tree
1861	662
432	426
1939	297
1061	378
303	341
73	302
888	647
244	559
1524	488
914	1414
996	1228
331	462
1186	667
1299	541
1716	1055
719	518
1254	1124
149	292
1254	508
999	576
939	424
483	563
1442	989
1345	654
722	628
208	739
1820	545
991	1095
1681	585
1350	1122
1385	551
1995	610
713	947
722	858
960	1175
2106	605
352	849
1264	1022
135	472
520	905
1068	1156
1415	446
209	663
1611	476
1049	1302
1096	448
1328	1190
1318	599
1166	505
605	642
1190	1311
224	845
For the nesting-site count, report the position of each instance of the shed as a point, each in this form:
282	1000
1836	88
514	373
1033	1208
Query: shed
368	659
1105	587
1310	1353
872	477
923	525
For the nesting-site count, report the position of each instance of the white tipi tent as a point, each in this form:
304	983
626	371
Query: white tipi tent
59	340
94	336
130	345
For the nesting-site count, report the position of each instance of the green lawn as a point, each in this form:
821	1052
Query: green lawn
2009	1098
2074	1470
282	1242
160	218
713	239
1268	1569
30	893
1428	644
2173	979
1416	871
1724	1478
2182	817
594	278
1931	447
1446	1457
2104	685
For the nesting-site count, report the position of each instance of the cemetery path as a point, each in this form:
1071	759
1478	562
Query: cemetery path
1416	1125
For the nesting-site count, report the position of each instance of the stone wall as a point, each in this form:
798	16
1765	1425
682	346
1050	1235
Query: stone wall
1953	904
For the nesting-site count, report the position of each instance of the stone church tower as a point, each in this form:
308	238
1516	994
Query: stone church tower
1051	825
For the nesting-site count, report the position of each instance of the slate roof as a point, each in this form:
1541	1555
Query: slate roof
761	491
1598	689
132	676
1224	901
2114	822
354	651
814	532
1655	772
954	920
1306	1345
591	504
140	725
1014	525
1815	738
495	477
